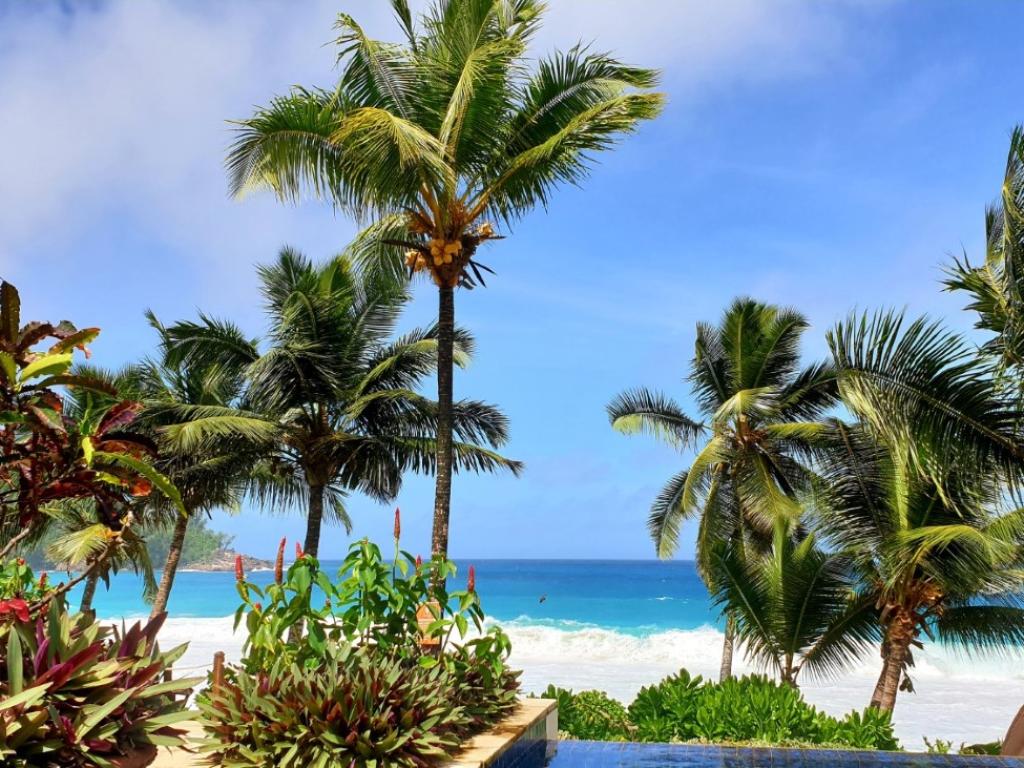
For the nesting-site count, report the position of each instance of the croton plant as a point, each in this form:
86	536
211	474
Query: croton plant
73	692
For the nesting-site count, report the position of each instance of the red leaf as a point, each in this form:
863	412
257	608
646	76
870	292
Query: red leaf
118	416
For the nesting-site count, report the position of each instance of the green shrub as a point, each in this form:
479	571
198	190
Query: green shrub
591	715
749	709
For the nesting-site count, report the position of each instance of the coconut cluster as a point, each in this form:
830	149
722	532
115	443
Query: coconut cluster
444	258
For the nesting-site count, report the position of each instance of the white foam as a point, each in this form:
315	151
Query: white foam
957	698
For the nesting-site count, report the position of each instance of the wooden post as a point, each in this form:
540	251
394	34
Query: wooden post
218	672
426	615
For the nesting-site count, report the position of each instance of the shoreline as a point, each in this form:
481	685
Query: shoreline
957	699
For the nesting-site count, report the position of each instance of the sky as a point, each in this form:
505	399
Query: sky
828	155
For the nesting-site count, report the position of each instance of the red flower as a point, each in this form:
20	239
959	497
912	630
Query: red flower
42	580
279	565
15	606
299	554
20	561
471	581
258	607
239	572
398	523
419	562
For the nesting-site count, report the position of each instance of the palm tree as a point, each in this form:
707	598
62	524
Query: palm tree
996	287
206	479
436	138
760	411
796	606
330	406
920	482
79	538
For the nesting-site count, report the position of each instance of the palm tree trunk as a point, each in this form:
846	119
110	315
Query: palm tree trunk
445	351
314	519
89	592
725	672
163	592
894	658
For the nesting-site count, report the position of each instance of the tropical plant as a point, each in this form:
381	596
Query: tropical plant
56	451
77	693
329	405
796	606
746	710
361	690
589	715
761	413
80	541
372	602
207	478
920	491
996	286
435	137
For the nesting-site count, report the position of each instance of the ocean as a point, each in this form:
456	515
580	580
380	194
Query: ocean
618	625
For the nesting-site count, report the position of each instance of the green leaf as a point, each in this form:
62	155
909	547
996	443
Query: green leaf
47	365
88	451
160	481
10	312
15	662
28	697
9	368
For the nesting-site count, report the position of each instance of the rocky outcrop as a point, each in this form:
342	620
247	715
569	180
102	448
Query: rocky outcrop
224	560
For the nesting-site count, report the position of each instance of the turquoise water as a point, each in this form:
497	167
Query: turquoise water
631	597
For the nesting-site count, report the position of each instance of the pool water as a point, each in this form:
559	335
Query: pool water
599	754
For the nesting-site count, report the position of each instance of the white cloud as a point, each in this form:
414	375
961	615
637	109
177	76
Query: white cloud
118	109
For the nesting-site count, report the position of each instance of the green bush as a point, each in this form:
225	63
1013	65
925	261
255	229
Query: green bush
750	709
358	689
591	715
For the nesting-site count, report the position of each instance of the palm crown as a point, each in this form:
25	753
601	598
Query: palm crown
330	405
996	286
760	412
436	136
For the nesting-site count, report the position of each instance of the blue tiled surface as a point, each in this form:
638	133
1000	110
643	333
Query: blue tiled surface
598	754
529	751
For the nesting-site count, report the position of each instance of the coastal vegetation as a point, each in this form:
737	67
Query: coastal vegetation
330	405
436	140
360	689
746	710
866	503
72	690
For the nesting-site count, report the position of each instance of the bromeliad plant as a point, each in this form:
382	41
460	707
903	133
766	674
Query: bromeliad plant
76	693
359	688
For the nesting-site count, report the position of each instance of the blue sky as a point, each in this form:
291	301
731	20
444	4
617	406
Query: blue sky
825	155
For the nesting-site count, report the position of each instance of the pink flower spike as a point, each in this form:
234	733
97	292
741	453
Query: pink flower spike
471	581
239	571
279	564
398	524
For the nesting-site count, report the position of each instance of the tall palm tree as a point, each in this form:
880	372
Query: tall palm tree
330	405
920	482
796	606
996	286
436	138
760	414
207	479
